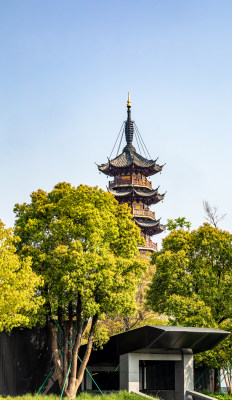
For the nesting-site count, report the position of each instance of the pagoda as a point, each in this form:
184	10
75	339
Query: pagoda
130	185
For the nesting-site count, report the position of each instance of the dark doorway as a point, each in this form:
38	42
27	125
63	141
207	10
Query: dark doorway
157	375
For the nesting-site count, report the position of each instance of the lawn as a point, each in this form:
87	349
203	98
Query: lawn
83	396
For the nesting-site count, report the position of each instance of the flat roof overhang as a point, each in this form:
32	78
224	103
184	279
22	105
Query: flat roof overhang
159	339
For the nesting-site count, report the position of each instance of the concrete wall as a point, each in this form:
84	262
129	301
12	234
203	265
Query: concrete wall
183	376
129	371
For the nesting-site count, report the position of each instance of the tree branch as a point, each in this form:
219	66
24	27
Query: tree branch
70	330
77	342
211	214
89	346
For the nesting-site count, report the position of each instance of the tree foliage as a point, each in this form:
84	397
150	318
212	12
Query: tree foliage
178	223
193	283
19	300
85	246
143	314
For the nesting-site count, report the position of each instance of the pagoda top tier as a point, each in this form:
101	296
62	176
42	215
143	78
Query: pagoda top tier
129	160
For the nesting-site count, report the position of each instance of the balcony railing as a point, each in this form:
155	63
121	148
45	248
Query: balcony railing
143	213
131	181
151	244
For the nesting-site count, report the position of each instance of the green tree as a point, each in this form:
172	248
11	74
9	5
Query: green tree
193	282
143	315
85	246
180	223
19	300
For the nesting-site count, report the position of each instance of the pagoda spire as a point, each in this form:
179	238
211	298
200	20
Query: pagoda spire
129	128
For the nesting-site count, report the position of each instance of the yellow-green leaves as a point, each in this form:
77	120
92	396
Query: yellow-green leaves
19	295
193	279
82	242
199	264
84	246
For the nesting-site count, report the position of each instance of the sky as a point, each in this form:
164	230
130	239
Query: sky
66	68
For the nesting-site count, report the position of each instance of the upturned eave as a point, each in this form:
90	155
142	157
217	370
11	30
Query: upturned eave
148	197
130	162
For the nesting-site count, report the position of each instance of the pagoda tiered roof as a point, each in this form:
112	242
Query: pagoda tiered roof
151	227
130	185
148	197
130	161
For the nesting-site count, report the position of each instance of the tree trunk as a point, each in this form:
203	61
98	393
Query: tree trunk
72	376
126	321
216	381
75	381
228	370
55	353
225	379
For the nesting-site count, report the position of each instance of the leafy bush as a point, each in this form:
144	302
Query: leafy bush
218	396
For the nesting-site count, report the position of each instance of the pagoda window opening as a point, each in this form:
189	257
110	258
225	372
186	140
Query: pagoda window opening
138	207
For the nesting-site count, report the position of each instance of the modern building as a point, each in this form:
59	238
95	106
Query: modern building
153	360
130	171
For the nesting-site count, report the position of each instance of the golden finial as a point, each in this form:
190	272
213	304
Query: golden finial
128	101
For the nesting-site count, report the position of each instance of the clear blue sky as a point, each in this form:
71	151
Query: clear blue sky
65	70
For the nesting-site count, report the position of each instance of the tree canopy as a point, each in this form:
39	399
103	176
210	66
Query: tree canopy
84	245
180	223
143	315
19	300
193	283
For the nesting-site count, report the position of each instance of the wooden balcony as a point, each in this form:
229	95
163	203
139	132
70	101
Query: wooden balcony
151	244
131	181
143	213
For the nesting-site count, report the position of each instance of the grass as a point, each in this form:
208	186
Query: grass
220	396
123	395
